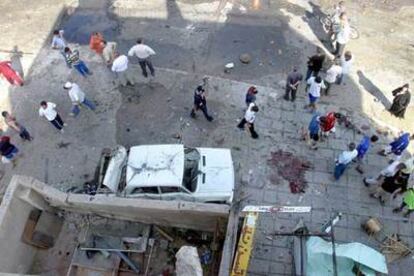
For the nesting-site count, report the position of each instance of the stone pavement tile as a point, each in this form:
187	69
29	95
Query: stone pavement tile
319	203
282	254
254	194
321	164
263	252
326	153
270	197
278	268
321	177
259	267
283	224
405	228
341	234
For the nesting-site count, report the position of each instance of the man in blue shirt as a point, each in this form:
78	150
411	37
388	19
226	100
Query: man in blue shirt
362	149
314	129
398	146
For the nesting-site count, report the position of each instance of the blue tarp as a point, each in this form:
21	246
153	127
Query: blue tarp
319	258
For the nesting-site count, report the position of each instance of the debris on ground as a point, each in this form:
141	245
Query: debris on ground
290	168
245	58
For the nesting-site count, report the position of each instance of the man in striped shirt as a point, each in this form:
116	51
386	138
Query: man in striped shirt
72	58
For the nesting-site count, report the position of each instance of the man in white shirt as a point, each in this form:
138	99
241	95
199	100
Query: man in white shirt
108	52
331	75
48	110
315	85
77	96
120	68
346	64
143	53
344	159
343	36
248	119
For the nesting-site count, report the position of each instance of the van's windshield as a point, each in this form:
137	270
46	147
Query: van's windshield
191	161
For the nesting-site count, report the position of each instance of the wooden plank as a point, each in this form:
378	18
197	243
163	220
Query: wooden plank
277	209
245	246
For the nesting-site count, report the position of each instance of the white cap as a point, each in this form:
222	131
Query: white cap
68	85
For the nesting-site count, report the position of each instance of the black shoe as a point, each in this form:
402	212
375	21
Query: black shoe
192	114
210	119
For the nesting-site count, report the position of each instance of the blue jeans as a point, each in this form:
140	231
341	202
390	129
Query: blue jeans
82	69
12	153
87	103
339	170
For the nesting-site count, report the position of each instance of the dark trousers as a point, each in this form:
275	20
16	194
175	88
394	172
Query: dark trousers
311	73
144	63
24	134
328	87
339	170
203	108
57	122
290	93
251	128
340	48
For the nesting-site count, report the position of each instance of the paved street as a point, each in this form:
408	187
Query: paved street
196	38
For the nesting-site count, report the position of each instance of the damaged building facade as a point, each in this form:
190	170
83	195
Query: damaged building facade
49	232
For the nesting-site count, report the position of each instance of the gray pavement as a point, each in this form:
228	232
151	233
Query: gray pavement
193	39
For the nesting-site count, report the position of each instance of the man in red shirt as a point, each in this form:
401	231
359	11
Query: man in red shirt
328	125
9	74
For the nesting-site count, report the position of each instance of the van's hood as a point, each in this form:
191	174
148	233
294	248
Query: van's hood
217	167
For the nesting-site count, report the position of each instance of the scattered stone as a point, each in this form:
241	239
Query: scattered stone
63	145
245	58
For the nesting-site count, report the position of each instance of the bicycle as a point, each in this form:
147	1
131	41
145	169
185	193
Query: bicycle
329	25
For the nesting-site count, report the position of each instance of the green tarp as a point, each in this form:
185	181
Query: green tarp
319	258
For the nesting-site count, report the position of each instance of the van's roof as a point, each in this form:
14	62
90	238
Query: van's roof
155	165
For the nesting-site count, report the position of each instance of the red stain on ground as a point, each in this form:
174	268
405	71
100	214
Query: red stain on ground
290	168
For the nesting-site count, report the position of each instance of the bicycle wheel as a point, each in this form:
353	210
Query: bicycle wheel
354	33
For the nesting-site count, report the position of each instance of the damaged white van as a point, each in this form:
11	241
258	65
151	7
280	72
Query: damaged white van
171	172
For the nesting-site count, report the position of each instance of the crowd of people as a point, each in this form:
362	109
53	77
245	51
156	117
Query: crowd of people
320	80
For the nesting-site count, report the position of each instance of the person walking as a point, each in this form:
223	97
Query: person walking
48	110
292	84
343	35
362	149
248	120
391	187
120	68
402	98
72	58
315	63
314	130
77	96
344	159
8	151
108	52
200	103
16	126
59	43
332	75
315	85
346	65
397	146
143	53
251	95
408	203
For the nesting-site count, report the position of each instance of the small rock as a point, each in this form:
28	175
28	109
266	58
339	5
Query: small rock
245	58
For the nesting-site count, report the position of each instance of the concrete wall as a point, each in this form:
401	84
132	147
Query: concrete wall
25	193
15	256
